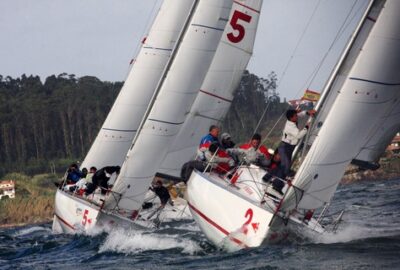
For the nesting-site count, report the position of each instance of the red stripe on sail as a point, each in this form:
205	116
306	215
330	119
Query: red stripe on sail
243	5
216	96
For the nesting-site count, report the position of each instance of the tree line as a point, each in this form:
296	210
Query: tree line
48	125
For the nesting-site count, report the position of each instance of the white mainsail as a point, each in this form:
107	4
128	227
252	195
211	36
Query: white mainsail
342	69
369	94
116	135
168	109
376	146
216	92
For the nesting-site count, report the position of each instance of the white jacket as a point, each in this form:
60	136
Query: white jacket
291	133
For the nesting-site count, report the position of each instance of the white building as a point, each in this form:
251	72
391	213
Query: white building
7	188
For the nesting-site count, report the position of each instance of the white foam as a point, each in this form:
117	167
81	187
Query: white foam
30	230
132	242
96	230
193	227
348	233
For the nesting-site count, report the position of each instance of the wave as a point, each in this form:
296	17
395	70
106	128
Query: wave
30	230
353	232
133	242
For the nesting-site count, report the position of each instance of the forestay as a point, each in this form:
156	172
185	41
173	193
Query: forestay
173	101
216	93
369	93
116	135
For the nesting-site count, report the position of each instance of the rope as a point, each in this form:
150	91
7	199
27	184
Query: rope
300	40
313	75
261	118
150	19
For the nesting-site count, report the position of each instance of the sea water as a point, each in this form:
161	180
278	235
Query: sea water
368	238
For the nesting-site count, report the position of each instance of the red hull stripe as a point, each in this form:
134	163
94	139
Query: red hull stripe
66	223
243	5
213	95
237	241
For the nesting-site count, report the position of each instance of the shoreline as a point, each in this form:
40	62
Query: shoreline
16	225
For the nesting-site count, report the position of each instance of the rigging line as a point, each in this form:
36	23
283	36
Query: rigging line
258	190
262	117
280	118
299	41
313	75
339	34
150	20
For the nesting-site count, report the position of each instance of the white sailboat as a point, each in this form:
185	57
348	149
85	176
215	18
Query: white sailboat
171	82
359	114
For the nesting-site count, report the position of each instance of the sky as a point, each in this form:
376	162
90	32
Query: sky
100	37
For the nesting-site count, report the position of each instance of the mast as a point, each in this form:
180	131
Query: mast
176	92
165	73
339	73
368	94
116	135
216	94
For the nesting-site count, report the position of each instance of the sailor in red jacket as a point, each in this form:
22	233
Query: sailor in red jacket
253	152
220	161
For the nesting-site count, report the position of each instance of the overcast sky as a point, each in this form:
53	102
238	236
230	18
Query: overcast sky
100	37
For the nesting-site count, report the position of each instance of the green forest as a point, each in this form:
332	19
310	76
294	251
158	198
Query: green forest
46	124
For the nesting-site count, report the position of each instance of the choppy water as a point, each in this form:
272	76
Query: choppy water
368	239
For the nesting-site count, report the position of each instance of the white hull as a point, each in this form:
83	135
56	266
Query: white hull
238	216
75	214
72	215
228	218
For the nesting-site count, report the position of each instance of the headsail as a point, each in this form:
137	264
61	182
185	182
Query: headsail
169	107
216	92
369	93
116	135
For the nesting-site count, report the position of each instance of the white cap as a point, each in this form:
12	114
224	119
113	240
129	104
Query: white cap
225	136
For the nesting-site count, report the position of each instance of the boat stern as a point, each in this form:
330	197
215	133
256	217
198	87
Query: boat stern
229	220
72	214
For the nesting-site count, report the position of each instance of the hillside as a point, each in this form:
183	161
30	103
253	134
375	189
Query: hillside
34	200
46	126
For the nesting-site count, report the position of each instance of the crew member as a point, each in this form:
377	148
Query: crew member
291	137
253	152
207	140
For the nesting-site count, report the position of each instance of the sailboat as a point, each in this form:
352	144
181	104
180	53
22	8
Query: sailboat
357	117
182	58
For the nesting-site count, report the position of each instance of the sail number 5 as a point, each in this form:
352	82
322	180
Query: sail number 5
239	28
85	217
